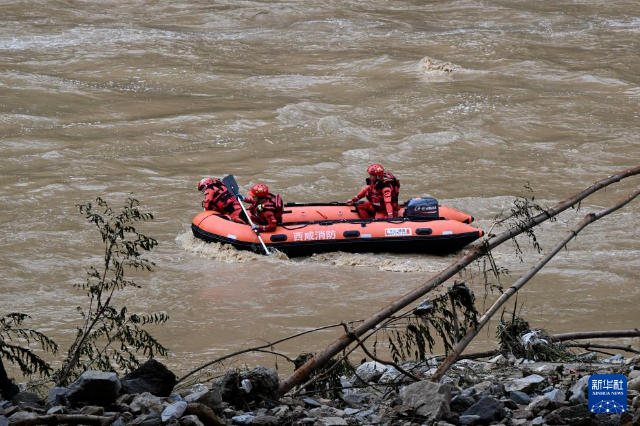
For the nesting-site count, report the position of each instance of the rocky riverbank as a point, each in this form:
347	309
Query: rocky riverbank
498	391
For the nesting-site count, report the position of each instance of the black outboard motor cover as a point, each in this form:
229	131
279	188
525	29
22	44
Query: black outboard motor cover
422	209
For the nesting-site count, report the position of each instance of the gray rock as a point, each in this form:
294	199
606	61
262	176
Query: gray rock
279	411
371	371
190	420
487	409
152	377
469	420
354	400
94	388
265	421
351	411
574	412
146	403
520	397
391	375
326	411
311	403
462	402
578	391
526	384
209	397
56	396
331	421
557	396
205	414
244	419
537	421
634	384
22	415
174	411
427	399
538	404
4	421
27	400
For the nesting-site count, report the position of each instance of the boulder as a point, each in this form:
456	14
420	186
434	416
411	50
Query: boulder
152	377
520	397
173	411
427	399
145	403
94	388
525	384
487	409
371	371
578	391
190	420
209	397
205	414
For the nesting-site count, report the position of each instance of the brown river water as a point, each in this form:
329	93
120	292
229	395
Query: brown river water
466	101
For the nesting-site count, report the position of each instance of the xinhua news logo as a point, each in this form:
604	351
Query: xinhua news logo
607	393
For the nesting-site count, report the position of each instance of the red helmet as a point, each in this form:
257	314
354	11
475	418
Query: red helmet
375	169
259	190
204	183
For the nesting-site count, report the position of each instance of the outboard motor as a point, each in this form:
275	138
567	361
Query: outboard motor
423	208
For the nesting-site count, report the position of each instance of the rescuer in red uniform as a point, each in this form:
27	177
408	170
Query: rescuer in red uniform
381	192
217	197
266	209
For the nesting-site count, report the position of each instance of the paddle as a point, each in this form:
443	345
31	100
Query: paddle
232	186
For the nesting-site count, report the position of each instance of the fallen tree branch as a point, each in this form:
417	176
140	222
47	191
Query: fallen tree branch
590	345
588	219
595	335
57	419
255	349
320	359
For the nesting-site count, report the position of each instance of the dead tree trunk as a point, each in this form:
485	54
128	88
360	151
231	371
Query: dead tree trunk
588	219
320	359
594	335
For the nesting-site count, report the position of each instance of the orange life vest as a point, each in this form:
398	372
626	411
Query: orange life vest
273	204
374	193
217	197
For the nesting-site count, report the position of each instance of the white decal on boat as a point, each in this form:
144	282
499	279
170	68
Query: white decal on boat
396	232
314	235
365	236
233	237
447	232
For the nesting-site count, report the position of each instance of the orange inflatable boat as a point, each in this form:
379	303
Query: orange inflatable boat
421	227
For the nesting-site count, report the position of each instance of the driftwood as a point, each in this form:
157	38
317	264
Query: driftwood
320	359
588	219
74	419
595	335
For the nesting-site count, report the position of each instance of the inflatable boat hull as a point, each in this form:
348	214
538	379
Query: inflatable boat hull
337	228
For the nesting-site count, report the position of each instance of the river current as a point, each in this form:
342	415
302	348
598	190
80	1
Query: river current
465	101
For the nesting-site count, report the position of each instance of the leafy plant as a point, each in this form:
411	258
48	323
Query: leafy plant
110	337
30	363
448	317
